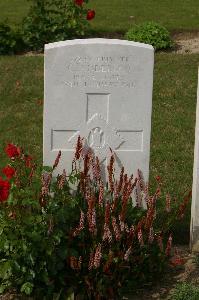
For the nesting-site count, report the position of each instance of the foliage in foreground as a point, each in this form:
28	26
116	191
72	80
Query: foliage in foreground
185	291
74	233
150	33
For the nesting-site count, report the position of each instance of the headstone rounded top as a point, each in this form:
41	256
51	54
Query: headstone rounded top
96	41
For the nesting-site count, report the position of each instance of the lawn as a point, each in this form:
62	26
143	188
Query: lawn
119	15
13	13
21	94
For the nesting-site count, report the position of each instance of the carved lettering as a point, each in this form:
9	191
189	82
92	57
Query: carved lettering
100	71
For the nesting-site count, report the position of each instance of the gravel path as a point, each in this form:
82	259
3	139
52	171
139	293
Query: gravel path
187	43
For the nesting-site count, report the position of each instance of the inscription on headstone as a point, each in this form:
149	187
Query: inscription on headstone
101	90
99	71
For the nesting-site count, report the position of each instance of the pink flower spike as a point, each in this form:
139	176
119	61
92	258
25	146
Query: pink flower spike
169	245
127	254
140	237
107	234
57	160
97	257
116	229
168	203
101	194
151	235
160	243
81	224
91	261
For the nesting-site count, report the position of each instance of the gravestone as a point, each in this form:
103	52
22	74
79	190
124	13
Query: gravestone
99	89
194	230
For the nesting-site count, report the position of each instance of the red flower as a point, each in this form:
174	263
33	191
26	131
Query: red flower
12	151
57	160
90	14
8	171
4	190
79	2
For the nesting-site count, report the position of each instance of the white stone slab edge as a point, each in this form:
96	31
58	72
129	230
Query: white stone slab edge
194	226
96	41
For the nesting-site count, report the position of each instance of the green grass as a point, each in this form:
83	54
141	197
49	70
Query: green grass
119	15
173	126
21	92
13	10
185	291
173	119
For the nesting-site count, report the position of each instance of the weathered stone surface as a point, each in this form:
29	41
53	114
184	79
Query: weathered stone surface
101	90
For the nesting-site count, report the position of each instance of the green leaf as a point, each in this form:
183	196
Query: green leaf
27	288
2	288
47	169
5	269
10	199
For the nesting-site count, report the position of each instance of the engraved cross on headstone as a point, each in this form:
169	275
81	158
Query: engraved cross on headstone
98	132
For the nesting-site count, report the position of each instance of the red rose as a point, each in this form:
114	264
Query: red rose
12	151
4	190
79	2
90	14
8	171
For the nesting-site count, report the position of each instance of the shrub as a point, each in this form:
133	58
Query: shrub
150	33
185	291
55	20
10	40
76	233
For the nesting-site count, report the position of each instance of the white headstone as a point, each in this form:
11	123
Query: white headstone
99	89
194	230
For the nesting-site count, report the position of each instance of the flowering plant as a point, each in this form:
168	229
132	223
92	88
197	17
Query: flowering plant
54	20
90	239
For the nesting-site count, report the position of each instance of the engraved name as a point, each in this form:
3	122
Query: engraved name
100	71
